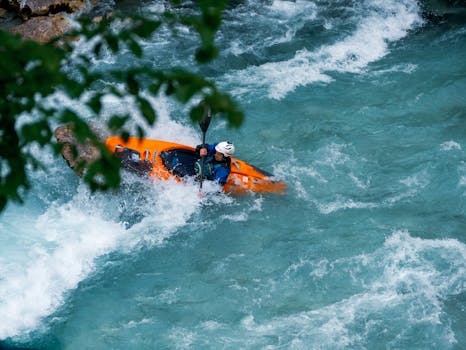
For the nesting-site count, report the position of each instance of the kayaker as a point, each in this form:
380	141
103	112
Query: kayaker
216	158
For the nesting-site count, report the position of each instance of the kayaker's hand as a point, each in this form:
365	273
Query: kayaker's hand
203	152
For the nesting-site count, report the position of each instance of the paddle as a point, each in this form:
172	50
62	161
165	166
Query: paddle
204	125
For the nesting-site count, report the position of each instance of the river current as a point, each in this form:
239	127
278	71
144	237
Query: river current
360	107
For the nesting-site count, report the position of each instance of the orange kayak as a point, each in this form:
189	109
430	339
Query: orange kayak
165	160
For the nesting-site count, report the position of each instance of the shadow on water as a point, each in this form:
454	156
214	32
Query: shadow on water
45	343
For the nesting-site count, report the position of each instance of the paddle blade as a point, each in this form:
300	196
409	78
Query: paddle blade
205	122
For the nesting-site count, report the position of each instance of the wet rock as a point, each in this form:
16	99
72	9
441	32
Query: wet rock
74	152
31	8
42	29
8	19
43	20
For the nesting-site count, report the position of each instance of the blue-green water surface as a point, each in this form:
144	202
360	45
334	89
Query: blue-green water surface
360	108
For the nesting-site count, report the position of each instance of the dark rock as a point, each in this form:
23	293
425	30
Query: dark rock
44	19
31	8
74	152
42	29
8	19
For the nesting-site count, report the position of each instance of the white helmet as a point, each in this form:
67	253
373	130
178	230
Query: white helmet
226	148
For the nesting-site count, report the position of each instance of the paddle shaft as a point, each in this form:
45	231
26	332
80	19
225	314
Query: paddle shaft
204	124
202	163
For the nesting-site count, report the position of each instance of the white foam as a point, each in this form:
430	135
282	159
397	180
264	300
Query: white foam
165	128
340	203
297	174
68	241
282	77
182	338
333	155
406	280
72	240
61	246
291	9
291	16
168	296
317	269
462	181
270	24
244	214
328	161
407	68
156	7
419	180
134	324
450	145
240	217
414	184
168	207
383	22
363	185
212	325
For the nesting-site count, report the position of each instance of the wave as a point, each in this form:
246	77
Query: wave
378	24
64	244
272	24
401	285
53	242
66	241
386	297
337	177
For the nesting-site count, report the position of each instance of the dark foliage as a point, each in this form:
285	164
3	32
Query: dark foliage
30	72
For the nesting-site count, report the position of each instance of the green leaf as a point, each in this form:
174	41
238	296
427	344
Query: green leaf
95	104
147	111
235	118
36	132
146	28
154	88
98	49
206	54
170	88
112	43
125	135
135	48
140	132
197	113
116	122
132	83
212	12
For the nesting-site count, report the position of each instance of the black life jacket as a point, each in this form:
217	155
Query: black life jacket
210	164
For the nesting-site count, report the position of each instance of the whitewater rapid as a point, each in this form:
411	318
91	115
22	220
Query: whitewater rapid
358	107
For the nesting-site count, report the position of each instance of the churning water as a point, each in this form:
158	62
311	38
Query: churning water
360	107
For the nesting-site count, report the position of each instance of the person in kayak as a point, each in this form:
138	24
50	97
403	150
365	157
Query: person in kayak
216	158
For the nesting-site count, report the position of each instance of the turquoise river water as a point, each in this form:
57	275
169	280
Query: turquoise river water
360	107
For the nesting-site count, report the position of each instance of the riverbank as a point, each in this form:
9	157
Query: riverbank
44	20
